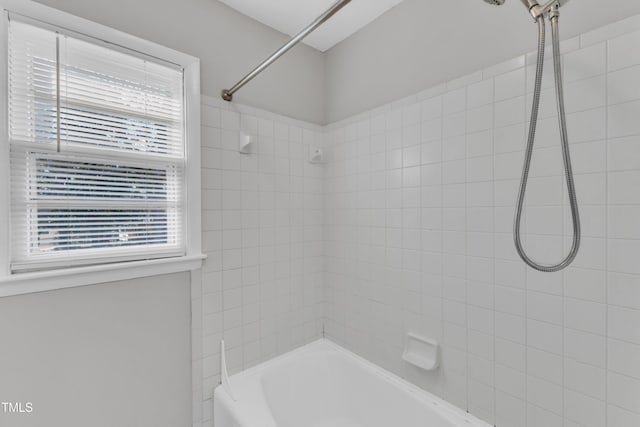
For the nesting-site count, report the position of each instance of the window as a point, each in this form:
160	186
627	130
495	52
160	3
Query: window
97	152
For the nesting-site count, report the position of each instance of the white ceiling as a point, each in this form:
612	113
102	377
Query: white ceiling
291	16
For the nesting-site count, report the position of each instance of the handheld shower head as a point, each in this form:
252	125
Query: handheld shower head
501	2
528	3
535	9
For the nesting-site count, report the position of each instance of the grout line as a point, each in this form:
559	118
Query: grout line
493	263
466	241
563	228
606	233
526	287
441	185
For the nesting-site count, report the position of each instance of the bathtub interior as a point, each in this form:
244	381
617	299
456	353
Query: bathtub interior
325	388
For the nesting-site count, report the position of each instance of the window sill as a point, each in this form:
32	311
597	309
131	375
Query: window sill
26	283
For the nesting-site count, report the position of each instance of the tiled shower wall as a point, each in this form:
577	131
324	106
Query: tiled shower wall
261	287
419	200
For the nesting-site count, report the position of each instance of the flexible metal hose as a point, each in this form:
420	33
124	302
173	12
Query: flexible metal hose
565	150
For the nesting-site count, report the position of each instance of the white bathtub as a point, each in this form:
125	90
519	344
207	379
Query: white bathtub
324	385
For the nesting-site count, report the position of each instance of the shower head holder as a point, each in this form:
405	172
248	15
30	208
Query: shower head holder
537	10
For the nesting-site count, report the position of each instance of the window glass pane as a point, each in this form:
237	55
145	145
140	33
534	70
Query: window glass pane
71	230
60	179
117	101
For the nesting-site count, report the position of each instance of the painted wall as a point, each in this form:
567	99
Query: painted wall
229	45
419	44
420	198
116	354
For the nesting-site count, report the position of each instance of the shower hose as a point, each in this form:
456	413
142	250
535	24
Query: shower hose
553	17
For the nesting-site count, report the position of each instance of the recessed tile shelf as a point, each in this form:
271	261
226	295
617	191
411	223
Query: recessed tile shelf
421	352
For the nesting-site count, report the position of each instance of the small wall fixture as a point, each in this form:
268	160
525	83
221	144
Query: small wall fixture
245	144
316	155
421	352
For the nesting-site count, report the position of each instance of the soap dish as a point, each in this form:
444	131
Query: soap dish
421	352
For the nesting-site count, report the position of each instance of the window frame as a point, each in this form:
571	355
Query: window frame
27	282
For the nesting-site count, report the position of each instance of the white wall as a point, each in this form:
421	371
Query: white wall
228	44
419	204
116	354
262	233
419	44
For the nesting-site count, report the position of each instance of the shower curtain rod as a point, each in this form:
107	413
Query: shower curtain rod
227	94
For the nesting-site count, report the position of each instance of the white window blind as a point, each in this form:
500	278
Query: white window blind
97	152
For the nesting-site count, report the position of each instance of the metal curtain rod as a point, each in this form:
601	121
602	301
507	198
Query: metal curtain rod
227	94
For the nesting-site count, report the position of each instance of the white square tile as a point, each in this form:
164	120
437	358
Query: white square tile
623	119
544	307
586	379
585	347
623	391
585	284
480	143
623	52
623	358
510	381
624	85
210	116
479	94
589	125
585	316
454	125
510	85
480	294
511	138
510	300
509	112
624	290
586	94
510	327
431	108
624	324
589	157
510	410
545	365
624	153
455	101
584	63
623	256
537	416
510	354
479	194
544	336
544	394
480	119
431	130
620	417
587	411
623	222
